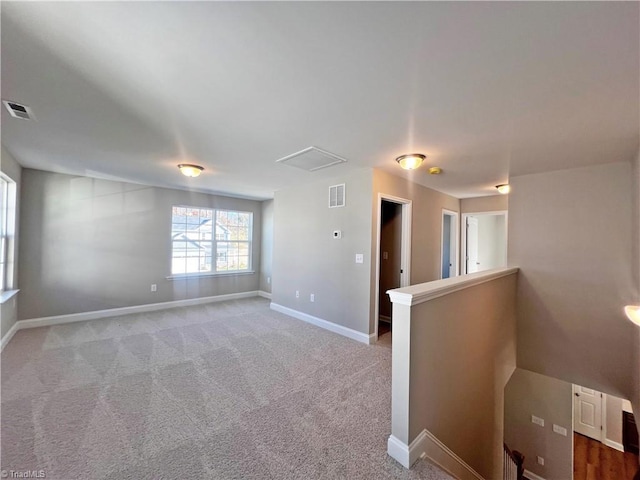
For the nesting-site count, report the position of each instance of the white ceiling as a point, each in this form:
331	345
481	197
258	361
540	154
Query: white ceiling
486	90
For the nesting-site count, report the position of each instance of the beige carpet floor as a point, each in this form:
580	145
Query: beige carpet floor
228	390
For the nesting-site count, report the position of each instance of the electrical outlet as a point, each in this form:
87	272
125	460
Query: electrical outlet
537	420
297	293
540	460
312	297
359	258
560	430
154	287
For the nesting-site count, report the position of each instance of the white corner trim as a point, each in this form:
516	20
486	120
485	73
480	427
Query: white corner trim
415	294
115	312
426	444
263	294
319	322
532	476
406	455
9	335
615	445
399	451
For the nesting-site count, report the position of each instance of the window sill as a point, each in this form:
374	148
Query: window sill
7	295
188	276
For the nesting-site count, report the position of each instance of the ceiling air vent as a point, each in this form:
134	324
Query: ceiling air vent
336	196
312	159
18	111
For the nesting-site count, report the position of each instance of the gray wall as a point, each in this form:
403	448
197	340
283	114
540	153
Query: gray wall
529	393
460	400
307	258
89	244
494	203
570	233
634	298
613	417
9	309
266	250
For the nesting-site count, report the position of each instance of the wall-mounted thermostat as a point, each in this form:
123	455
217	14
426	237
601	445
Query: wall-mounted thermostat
337	234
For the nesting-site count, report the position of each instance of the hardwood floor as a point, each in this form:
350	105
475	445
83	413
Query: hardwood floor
594	461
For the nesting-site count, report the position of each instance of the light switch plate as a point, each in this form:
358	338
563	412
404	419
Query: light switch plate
537	420
560	430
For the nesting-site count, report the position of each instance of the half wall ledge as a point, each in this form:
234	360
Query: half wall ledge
423	292
440	328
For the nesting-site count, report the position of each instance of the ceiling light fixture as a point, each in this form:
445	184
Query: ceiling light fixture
504	188
189	170
411	161
633	313
435	170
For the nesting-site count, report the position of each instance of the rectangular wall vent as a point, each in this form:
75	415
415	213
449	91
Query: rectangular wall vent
18	111
336	196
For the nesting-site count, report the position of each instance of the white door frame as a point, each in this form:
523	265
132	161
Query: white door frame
456	239
463	232
405	249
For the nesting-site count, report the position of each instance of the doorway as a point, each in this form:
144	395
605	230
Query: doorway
587	412
449	245
484	241
393	256
600	449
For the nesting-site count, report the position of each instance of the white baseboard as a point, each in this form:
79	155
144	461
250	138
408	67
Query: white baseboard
399	451
116	312
612	444
263	294
532	476
425	444
9	335
319	322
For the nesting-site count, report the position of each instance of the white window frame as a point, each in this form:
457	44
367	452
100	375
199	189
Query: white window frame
7	235
214	245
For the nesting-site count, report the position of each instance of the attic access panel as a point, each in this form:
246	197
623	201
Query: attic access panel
312	159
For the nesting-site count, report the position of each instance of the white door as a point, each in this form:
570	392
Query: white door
472	245
587	412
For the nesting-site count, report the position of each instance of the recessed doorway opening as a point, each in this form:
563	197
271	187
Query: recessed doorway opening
449	245
393	256
484	241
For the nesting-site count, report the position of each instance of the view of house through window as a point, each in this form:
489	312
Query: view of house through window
210	241
7	231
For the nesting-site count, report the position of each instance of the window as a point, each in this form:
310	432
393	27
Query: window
208	241
7	231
